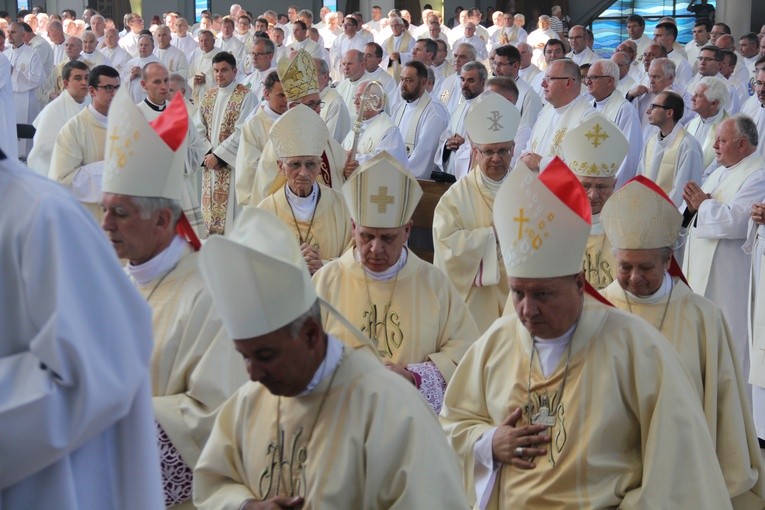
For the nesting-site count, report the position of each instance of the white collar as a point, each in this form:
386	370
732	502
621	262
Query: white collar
331	360
269	112
388	273
597	225
490	184
661	292
159	265
303	207
101	119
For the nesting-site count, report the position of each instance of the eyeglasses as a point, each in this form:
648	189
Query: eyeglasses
294	166
707	59
551	78
588	79
654	105
502	153
108	88
314	105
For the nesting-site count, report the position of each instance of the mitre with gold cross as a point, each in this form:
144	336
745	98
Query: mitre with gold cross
595	148
542	221
381	193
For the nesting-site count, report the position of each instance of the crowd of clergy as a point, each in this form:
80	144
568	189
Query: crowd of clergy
208	299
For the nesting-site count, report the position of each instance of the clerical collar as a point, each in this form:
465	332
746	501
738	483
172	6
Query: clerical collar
87	55
414	102
665	141
551	350
563	109
331	360
101	119
597	226
661	292
155	107
230	87
159	265
269	112
602	103
489	183
303	207
712	118
388	273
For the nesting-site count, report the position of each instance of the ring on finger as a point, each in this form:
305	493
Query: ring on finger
519	451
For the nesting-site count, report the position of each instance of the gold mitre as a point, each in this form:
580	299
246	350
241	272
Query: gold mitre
595	148
381	193
640	216
300	131
542	221
492	119
145	159
298	76
256	275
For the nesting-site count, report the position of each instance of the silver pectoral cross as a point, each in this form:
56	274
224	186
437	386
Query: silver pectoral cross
543	417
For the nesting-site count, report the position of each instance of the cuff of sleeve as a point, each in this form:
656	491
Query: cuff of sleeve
484	468
176	474
430	382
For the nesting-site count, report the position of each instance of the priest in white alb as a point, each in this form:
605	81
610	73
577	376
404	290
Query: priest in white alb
52	118
643	225
78	153
465	243
409	310
194	367
568	402
716	216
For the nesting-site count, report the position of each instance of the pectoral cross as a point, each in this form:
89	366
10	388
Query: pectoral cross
543	417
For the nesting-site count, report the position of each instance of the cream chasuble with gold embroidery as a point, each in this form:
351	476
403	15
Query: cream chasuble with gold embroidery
619	434
328	231
194	366
697	330
466	247
415	316
374	445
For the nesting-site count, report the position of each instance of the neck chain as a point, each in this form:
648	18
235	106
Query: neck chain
160	282
307	237
666	306
545	416
302	454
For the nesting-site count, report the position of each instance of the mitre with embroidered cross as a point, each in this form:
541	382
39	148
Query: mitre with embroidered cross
256	275
542	222
640	216
381	193
595	148
298	76
492	119
145	159
300	131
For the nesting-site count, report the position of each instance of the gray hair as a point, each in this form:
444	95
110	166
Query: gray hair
715	90
469	48
609	68
432	74
746	128
483	74
667	66
149	205
314	312
321	66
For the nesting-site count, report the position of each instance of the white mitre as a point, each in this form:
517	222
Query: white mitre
145	159
542	221
640	216
256	275
381	193
492	119
595	148
300	131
